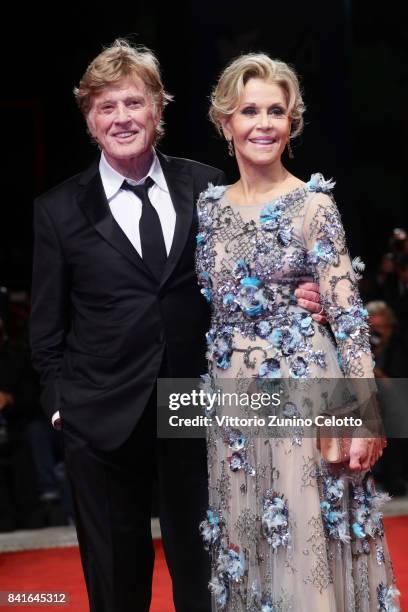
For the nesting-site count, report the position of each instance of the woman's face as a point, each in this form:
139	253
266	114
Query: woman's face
260	126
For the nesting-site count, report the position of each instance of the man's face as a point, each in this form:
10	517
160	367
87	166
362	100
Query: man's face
403	274
381	325
123	120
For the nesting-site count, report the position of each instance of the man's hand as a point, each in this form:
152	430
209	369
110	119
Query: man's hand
56	420
308	297
5	399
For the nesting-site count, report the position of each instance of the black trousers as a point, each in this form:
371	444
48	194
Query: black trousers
112	492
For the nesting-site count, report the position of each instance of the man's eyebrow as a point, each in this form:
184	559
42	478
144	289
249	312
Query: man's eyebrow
106	101
138	97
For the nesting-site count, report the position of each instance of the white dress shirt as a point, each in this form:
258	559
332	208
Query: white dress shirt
126	208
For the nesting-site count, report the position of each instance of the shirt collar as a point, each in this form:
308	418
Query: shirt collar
112	180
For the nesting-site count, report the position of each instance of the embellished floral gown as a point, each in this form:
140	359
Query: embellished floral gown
285	531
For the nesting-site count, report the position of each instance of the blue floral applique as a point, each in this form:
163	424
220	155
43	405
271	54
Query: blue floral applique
230	567
219	347
272	220
213	192
366	514
350	322
323	254
269	368
317	183
334	519
387	597
211	530
275	520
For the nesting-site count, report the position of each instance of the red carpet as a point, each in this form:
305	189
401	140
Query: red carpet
58	569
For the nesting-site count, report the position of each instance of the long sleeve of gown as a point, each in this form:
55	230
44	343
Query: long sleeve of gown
327	253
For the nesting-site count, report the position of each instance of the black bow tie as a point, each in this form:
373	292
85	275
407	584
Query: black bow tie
151	234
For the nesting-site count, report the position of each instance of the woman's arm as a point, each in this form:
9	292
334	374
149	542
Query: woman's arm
325	243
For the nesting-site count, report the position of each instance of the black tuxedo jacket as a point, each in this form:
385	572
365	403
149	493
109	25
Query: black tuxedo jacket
101	324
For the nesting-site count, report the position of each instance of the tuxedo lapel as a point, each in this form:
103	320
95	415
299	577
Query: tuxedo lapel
181	192
93	201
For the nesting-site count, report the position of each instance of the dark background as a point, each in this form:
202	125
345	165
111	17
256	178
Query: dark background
352	58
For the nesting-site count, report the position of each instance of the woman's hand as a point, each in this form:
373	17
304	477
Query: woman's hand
364	452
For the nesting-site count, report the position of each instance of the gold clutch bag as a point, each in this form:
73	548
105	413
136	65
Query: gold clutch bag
333	449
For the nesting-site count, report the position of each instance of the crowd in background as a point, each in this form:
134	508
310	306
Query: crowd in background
386	298
34	491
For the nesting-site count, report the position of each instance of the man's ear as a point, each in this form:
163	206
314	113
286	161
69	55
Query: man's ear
157	114
90	124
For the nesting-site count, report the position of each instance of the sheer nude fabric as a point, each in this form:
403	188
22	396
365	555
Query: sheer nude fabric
285	531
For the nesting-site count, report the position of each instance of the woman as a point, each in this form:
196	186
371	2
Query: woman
286	529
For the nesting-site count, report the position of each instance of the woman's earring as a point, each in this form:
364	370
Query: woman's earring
290	152
231	151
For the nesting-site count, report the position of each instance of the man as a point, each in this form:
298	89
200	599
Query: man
115	306
391	370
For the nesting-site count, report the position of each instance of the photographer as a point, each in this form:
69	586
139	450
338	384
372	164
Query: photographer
391	362
400	303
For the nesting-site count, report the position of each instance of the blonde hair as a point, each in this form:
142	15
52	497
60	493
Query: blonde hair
227	92
118	61
378	307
